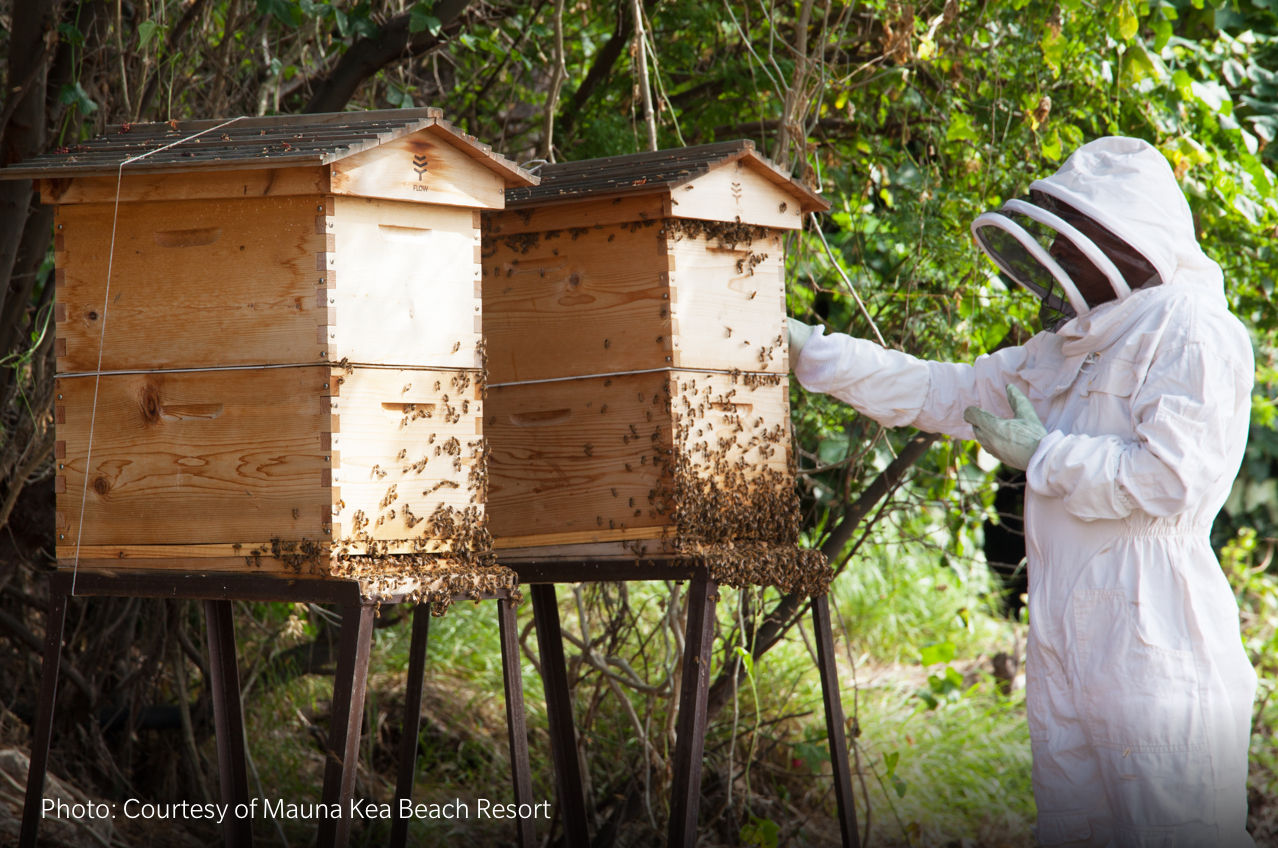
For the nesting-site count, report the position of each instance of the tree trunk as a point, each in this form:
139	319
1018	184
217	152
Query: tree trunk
23	136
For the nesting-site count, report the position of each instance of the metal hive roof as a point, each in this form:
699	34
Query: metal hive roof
275	142
639	173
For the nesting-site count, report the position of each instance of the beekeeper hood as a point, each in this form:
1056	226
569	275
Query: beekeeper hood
1111	221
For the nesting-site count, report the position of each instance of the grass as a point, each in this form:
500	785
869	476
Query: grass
956	774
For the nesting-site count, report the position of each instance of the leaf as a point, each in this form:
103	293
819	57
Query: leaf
900	786
71	34
761	832
1051	146
890	761
1214	96
937	653
147	31
747	660
1128	23
1162	33
420	18
75	95
1053	46
813	754
961	129
285	11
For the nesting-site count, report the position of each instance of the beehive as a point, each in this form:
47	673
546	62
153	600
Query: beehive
292	352
634	315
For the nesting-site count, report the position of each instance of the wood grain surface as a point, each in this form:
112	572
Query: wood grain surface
211	457
731	303
576	302
574	461
383	413
404	289
737	192
423	168
195	283
197	185
581	213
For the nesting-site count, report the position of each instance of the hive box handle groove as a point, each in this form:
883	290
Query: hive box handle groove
188	238
546	418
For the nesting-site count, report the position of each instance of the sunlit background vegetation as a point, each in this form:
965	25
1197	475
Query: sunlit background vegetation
911	118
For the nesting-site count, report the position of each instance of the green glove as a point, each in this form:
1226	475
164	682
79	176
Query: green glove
1012	441
799	335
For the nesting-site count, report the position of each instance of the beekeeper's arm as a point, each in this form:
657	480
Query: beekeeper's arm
1192	398
897	389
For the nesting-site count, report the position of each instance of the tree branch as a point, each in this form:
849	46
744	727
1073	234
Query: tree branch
369	55
600	70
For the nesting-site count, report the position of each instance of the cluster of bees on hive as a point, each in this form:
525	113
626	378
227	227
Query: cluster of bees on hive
450	552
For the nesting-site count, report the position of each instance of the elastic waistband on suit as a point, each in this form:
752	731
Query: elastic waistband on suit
1165	529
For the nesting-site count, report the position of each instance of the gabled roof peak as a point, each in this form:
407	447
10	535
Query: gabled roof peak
638	173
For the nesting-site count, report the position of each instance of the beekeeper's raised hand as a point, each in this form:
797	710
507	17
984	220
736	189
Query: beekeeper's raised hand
1011	440
799	335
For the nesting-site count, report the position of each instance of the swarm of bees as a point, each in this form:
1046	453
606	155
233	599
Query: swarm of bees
445	556
731	504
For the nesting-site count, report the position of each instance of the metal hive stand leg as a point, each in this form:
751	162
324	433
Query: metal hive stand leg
685	793
563	740
354	648
40	738
515	718
412	722
834	722
228	720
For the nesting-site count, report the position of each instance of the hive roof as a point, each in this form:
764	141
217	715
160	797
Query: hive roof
281	141
639	173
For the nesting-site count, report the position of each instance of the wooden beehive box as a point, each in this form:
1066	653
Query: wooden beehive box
289	352
634	318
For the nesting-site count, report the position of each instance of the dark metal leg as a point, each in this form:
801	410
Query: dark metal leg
834	723
563	739
228	720
412	723
31	809
516	725
354	647
694	688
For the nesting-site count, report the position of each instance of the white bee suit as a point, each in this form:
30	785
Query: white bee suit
1139	691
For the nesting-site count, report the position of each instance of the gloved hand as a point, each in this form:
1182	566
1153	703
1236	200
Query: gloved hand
1011	440
799	335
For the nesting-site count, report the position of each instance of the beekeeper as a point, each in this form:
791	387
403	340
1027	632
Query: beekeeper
1129	414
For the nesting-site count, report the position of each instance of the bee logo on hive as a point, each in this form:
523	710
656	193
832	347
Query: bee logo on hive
419	166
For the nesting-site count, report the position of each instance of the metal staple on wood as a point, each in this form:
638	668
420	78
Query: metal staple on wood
106	302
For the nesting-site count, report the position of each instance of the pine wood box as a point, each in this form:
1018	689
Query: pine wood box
634	322
292	354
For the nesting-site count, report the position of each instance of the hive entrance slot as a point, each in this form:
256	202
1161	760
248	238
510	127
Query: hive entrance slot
734	408
545	418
